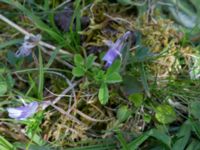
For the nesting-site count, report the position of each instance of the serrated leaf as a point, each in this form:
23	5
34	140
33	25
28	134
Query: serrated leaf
103	94
90	60
165	114
98	75
113	78
123	113
78	71
78	60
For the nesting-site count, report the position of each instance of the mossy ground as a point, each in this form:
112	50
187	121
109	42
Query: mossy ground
152	107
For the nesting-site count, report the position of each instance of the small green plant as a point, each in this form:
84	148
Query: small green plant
97	75
110	76
148	77
81	65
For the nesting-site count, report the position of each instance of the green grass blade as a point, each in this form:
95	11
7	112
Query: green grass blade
138	141
52	58
5	145
144	79
76	17
122	141
41	76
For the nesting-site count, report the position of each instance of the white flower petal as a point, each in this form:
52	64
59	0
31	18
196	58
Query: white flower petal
14	113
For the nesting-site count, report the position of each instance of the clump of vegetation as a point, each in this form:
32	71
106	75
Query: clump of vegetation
78	74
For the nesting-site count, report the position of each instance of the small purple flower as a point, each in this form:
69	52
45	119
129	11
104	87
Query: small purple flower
115	49
30	41
23	112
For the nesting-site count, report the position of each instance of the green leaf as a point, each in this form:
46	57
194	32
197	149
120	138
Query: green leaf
123	113
3	86
139	140
112	75
98	75
147	117
36	138
165	114
137	99
103	94
194	145
78	60
12	59
122	141
194	108
195	126
162	137
183	136
90	60
113	78
131	85
114	67
78	71
10	81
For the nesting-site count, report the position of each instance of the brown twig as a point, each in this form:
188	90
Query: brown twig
90	118
67	114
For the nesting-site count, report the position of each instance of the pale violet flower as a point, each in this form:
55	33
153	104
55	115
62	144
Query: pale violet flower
115	49
30	41
23	112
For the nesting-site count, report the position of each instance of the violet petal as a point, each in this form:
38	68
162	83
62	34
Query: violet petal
115	49
23	112
30	41
110	56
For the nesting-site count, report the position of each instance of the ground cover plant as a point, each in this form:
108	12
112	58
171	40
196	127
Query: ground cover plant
99	74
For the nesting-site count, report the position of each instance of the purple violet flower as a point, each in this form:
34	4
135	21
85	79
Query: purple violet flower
30	41
115	49
23	112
